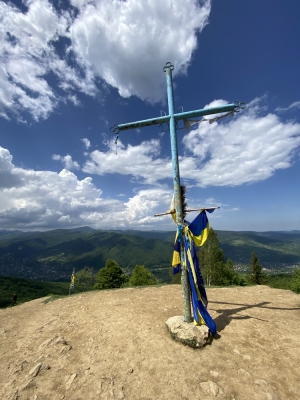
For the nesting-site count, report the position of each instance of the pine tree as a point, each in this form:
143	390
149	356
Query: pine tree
212	260
255	271
111	276
214	268
141	276
231	277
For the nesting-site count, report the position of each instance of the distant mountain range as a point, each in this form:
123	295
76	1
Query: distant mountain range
52	255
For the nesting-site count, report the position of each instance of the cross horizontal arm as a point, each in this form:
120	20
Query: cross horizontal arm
236	106
139	124
205	111
194	209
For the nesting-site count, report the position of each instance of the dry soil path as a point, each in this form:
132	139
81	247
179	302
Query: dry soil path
115	345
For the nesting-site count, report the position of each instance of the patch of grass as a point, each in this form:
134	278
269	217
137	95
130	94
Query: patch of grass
53	298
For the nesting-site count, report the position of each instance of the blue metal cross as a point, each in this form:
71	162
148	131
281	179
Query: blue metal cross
171	120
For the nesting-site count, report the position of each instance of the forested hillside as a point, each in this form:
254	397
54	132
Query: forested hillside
276	250
53	254
28	290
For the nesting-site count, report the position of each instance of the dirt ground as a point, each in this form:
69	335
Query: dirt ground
115	345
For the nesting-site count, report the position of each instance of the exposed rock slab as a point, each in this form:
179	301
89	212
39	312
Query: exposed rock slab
69	380
212	388
37	368
187	333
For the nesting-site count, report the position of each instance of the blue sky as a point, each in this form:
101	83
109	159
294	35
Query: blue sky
69	70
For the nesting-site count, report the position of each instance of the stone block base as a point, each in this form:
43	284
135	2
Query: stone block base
187	333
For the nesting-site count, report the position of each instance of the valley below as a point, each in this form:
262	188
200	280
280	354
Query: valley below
52	255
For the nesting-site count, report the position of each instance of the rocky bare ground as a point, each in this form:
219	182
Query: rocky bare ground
115	345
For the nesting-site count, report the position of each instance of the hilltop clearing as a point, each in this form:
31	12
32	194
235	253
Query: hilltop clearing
114	345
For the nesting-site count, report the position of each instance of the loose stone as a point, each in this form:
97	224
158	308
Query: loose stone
188	333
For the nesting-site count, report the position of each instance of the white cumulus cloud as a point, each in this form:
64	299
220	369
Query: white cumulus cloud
139	161
128	42
32	199
292	106
86	142
138	212
67	161
27	55
124	43
248	147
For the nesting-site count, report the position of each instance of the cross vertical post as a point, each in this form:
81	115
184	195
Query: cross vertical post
177	193
171	120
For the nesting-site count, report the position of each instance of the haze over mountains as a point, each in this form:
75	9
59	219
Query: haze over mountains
52	255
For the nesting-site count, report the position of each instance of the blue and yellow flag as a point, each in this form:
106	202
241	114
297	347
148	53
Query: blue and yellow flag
73	278
199	228
198	292
176	256
194	233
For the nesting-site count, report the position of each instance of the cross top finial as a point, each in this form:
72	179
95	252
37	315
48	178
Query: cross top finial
168	66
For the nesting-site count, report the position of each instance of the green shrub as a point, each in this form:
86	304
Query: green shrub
111	276
141	276
280	281
295	281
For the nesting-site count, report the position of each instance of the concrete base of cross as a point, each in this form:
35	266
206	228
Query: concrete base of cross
187	333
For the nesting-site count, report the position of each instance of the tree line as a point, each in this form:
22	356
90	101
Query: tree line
215	269
112	276
219	272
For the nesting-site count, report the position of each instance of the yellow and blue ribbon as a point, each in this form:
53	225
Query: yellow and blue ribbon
194	233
